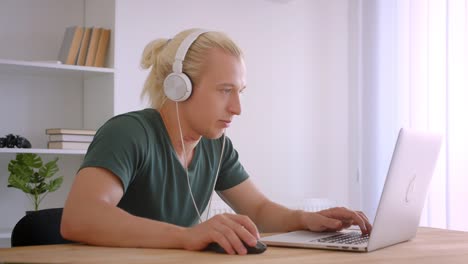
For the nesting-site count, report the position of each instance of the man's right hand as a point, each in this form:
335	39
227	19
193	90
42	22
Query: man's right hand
226	229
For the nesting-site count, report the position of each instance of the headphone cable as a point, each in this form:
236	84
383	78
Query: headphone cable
186	169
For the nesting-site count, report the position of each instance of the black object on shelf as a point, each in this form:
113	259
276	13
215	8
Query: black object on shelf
12	141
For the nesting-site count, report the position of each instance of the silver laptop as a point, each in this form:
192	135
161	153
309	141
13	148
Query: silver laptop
403	196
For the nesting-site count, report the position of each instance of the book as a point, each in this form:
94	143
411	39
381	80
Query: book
70	131
68	145
93	45
66	43
71	137
84	47
70	45
102	48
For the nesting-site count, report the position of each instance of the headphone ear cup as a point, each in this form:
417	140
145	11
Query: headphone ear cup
177	87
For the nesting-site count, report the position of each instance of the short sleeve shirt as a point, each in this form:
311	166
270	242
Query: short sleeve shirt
136	148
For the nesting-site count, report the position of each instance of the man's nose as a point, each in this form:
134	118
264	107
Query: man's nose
235	104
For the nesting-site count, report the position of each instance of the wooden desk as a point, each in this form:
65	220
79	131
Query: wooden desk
429	246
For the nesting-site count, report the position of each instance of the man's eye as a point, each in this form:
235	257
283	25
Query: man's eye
227	90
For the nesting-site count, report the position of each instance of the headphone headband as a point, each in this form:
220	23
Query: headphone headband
183	49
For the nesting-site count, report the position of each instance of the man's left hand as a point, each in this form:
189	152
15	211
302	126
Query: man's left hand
336	219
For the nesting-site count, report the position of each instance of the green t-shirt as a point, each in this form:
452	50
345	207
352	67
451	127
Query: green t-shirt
136	147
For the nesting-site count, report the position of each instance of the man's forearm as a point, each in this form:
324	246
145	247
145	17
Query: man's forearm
273	217
106	225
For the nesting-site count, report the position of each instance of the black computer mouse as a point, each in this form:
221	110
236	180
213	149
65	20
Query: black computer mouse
258	249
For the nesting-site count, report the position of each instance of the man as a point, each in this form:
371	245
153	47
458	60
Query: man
148	174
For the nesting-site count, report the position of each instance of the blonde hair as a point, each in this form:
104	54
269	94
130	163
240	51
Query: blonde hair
159	54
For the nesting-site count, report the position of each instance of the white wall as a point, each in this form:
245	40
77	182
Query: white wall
293	134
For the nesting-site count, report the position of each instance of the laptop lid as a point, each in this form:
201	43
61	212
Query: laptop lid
402	200
404	193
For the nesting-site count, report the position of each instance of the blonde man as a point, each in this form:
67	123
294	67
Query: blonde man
148	174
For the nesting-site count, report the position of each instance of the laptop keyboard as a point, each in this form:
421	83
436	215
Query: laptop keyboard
351	238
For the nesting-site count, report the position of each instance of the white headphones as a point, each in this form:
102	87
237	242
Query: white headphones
177	85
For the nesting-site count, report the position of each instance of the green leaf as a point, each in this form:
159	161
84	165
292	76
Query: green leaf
55	184
20	170
41	188
36	178
49	169
19	184
30	159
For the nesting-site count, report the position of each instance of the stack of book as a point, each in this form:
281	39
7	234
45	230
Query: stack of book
85	46
62	138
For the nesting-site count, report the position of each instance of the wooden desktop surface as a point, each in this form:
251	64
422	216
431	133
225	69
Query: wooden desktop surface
429	246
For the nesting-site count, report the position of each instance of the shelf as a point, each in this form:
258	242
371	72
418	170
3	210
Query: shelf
44	151
5	233
21	65
5	238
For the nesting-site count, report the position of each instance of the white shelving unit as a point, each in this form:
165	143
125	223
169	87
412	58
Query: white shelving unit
20	65
44	151
36	93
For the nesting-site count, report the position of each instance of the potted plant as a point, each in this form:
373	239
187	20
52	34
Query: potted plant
29	174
